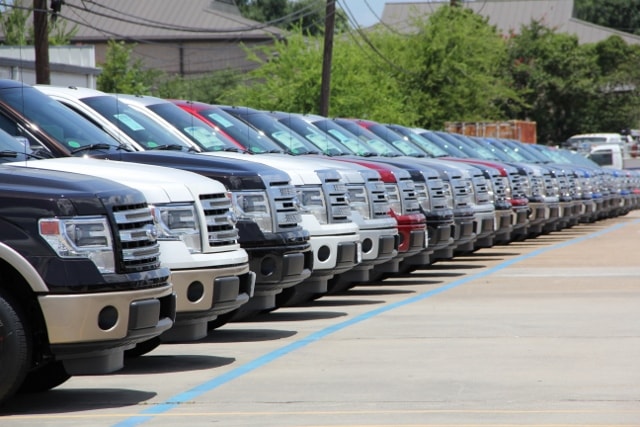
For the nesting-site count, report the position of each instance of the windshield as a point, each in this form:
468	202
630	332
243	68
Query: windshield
351	141
59	122
380	146
443	144
281	134
314	136
136	124
396	140
204	135
427	146
240	131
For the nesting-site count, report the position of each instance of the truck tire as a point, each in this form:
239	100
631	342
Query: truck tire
15	349
44	378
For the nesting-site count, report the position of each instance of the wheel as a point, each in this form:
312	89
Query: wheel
15	349
44	378
142	348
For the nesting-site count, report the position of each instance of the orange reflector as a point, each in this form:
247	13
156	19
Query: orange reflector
49	228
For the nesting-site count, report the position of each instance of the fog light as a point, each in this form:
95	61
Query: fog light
268	266
195	291
323	253
107	318
367	245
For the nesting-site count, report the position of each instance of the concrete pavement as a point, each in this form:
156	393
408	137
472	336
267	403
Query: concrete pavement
544	332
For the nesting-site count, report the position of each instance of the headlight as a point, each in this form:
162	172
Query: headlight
359	201
253	205
423	196
80	237
178	222
393	194
312	201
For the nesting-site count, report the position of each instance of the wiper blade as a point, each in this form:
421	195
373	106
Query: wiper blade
98	146
6	153
174	147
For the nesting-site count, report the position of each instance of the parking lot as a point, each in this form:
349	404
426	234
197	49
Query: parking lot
544	332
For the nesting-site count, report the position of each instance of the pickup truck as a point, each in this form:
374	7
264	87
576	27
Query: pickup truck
196	233
268	227
82	277
613	156
322	192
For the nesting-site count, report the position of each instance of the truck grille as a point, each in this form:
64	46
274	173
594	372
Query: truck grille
136	233
337	200
500	184
550	185
378	197
462	192
217	211
437	194
286	206
481	190
537	186
408	196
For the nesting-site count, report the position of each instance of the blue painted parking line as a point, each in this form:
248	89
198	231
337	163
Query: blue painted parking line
261	361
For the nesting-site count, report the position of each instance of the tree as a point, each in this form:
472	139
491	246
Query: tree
290	81
19	31
308	15
122	75
207	88
453	68
557	78
621	15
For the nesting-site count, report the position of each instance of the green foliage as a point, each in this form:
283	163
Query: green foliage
13	21
206	89
555	77
308	15
121	74
621	15
454	69
291	80
19	31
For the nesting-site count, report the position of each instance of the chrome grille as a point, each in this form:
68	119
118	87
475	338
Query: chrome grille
285	204
378	197
500	184
437	194
217	211
408	196
462	192
337	200
136	232
481	190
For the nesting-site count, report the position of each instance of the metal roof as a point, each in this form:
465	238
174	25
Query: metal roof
100	20
508	16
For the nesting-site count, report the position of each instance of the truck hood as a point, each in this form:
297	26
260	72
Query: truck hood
158	184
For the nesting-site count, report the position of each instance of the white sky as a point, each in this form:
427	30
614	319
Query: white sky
369	12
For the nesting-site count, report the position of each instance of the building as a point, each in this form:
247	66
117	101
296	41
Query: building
178	37
508	16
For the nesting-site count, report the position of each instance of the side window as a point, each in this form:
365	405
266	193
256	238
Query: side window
8	125
13	129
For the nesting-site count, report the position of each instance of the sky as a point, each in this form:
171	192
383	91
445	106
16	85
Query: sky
366	12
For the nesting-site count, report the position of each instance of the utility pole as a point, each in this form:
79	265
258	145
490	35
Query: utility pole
325	89
41	42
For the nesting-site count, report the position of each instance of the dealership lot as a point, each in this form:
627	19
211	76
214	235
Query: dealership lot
541	332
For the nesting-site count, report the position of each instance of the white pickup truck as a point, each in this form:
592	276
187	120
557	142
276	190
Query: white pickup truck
613	156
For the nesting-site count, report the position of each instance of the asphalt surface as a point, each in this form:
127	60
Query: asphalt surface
544	332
